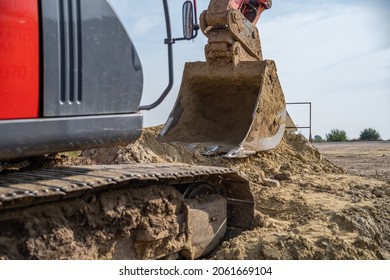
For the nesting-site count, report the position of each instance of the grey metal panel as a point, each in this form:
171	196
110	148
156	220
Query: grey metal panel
90	65
26	138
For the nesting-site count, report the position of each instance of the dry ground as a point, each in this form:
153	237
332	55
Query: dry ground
318	210
369	159
310	203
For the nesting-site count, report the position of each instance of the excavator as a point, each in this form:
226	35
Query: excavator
71	79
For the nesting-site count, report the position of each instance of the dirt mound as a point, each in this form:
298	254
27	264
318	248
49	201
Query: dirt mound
306	207
294	155
118	224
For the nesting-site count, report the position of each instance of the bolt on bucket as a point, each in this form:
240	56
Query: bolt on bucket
232	109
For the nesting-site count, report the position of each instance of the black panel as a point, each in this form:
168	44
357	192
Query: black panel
26	138
90	65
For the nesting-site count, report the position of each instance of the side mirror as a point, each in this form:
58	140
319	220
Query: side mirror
190	28
188	20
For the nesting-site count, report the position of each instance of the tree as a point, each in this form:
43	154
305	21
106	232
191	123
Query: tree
369	134
318	138
336	135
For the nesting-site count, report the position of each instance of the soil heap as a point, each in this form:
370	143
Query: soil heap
306	207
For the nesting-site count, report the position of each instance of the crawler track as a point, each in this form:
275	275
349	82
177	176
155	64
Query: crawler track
146	211
23	189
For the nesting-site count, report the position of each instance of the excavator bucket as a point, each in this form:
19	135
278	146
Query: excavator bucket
235	110
233	103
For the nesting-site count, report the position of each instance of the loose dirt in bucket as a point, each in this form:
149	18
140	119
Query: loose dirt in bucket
306	206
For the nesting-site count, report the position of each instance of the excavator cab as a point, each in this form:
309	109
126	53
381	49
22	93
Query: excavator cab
233	103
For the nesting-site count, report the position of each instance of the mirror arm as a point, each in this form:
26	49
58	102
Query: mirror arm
169	41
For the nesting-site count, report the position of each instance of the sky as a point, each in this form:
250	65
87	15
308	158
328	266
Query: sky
334	54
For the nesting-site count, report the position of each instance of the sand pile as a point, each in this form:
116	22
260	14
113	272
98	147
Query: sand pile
306	207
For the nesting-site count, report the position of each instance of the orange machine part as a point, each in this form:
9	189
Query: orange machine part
19	59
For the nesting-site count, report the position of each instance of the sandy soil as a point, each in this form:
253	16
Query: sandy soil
315	210
306	206
369	159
